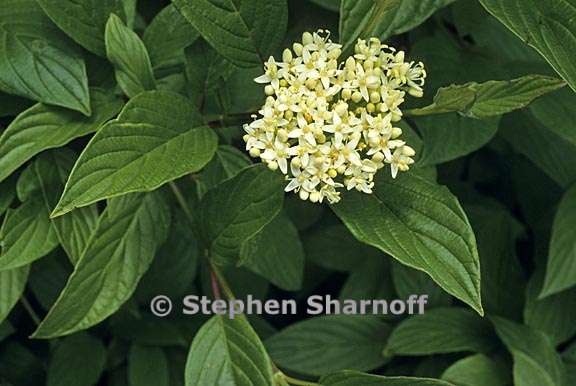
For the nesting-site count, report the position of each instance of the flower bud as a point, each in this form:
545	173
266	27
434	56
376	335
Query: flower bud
341	109
416	92
297	47
287	55
304	195
315	196
408	151
341	169
370	107
273	165
378	157
332	173
396	132
346	94
307	38
356	97
350	64
282	135
374	97
254	152
335	53
396	116
269	90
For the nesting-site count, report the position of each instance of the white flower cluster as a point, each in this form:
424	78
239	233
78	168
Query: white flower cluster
329	124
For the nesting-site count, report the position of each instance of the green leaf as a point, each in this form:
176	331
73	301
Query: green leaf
536	362
325	344
383	18
129	56
423	226
167	36
205	68
26	234
175	266
408	281
147	366
503	280
77	360
227	352
556	112
6	329
244	32
83	20
554	315
551	151
370	279
440	331
276	253
495	97
128	235
561	269
354	378
334	247
227	162
44	127
546	25
477	370
12	283
157	137
74	229
450	136
37	61
238	209
7	194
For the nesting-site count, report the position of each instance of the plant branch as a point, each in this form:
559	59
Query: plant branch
28	307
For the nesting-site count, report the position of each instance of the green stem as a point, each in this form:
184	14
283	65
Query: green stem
298	382
223	283
30	310
181	201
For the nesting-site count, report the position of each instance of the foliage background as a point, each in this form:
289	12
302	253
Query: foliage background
122	177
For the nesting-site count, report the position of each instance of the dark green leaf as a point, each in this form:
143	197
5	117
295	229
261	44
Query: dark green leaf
477	370
26	234
495	97
37	61
450	136
561	270
546	25
78	360
167	36
367	18
227	352
147	366
129	56
157	137
322	345
129	232
245	32
74	229
536	362
238	208
12	283
44	127
441	330
423	226
83	20
276	253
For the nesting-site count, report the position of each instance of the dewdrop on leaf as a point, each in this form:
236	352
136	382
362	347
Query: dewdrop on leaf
328	122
